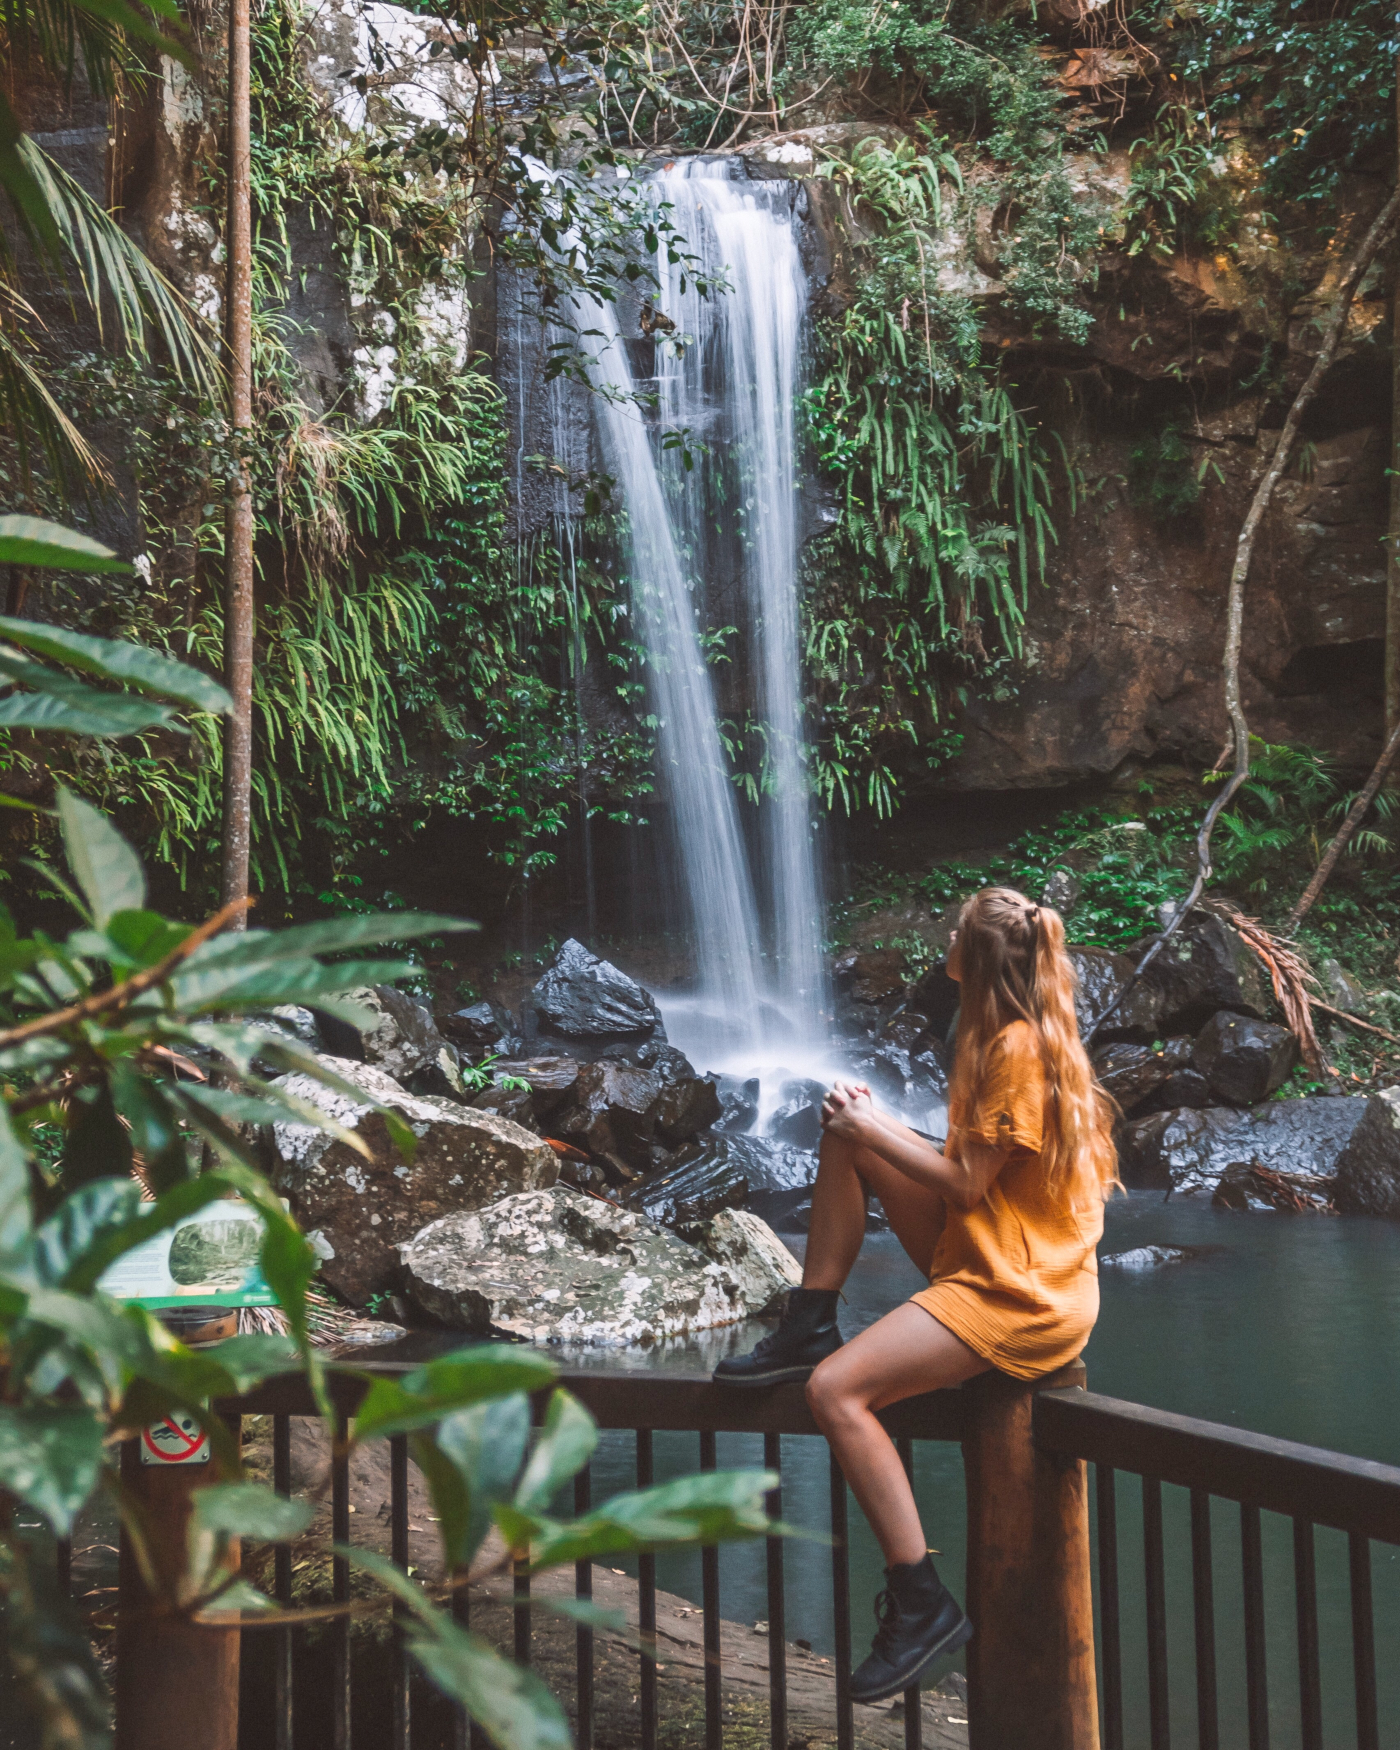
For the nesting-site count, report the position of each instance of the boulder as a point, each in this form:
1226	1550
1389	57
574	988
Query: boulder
611	1114
870	976
685	1108
1151	1257
1061	891
1205	967
936	996
738	1098
477	1029
1243	1060
1186	1152
1343	992
1245	1185
552	1080
1368	1168
721	1172
356	1211
556	1266
666	1061
517	1104
1136	1075
1101	976
752	1253
402	1036
798	1117
583	997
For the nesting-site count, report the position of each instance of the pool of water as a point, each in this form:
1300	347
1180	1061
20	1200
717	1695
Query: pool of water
1289	1325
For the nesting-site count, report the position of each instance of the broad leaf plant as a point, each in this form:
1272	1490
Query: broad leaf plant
143	1045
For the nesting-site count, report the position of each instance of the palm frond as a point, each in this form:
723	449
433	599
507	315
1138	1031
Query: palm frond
110	266
34	416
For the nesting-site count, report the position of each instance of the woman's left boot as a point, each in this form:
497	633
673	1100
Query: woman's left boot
920	1621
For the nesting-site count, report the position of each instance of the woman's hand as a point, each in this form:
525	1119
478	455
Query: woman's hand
849	1111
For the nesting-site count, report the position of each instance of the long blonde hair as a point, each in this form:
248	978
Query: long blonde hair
1014	967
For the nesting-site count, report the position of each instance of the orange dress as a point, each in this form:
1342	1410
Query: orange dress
1016	1276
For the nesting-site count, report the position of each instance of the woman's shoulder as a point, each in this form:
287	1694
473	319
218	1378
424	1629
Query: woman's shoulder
1018	1041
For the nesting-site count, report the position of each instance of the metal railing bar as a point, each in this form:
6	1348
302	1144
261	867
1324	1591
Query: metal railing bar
841	1607
777	1604
1363	1644
646	1605
1256	1675
63	1566
466	1735
709	1597
398	1554
1309	1667
1110	1631
282	1591
913	1698
583	1640
1279	1476
521	1595
1203	1616
1154	1563
340	1588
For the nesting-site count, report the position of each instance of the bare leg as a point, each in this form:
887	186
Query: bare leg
845	1173
907	1352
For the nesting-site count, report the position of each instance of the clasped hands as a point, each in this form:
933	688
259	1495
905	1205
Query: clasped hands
849	1111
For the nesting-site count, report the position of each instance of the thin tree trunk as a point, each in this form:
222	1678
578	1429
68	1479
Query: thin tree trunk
1353	820
1392	559
1352	274
238	536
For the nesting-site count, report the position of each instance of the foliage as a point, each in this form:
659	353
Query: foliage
1166	475
1175	196
945	489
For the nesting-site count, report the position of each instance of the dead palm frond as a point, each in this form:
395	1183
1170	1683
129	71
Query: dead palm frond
1290	974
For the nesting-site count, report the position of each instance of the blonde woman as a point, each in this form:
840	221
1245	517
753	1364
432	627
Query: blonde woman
1003	1221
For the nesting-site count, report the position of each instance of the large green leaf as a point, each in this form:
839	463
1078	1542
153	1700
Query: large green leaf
64	706
30	541
471	1460
250	1510
114	660
16	1217
50	1456
469	1376
57	1679
86	1264
296	981
565	1445
255	1356
103	863
97	1213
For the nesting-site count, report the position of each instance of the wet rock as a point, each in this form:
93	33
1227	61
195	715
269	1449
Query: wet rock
762	1266
611	1114
685	1108
1136	1076
477	1029
1101	976
666	1061
1186	1152
516	1104
1206	966
442	1078
583	997
401	1037
871	975
929	1070
798	1118
738	1098
720	1172
584	1175
1151	1257
1368	1168
559	1267
300	1023
357	1211
936	996
1061	891
900	1038
1343	992
551	1080
1247	1185
1244	1060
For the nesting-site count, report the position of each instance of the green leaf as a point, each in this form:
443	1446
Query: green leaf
155	1135
469	1376
52	1664
471	1461
30	541
103	863
233	1600
260	987
50	1456
142	938
332	936
114	660
85	1267
255	1356
16	1217
250	1510
97	1212
66	707
565	1445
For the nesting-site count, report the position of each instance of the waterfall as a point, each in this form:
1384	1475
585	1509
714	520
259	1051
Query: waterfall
727	529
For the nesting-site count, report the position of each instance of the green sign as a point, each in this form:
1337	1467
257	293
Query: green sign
209	1259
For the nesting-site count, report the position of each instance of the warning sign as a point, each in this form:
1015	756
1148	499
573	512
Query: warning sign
178	1439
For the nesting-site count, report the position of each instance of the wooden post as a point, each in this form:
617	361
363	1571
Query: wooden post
1030	1664
176	1681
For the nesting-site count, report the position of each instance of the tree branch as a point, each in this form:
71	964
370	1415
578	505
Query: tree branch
1353	820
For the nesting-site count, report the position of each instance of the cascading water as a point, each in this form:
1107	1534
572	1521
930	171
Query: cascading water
729	380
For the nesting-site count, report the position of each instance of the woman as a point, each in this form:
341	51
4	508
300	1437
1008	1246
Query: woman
1003	1221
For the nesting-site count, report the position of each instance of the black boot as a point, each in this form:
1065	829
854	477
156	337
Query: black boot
807	1335
920	1620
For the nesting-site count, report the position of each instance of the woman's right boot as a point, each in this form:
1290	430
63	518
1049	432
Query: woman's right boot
806	1336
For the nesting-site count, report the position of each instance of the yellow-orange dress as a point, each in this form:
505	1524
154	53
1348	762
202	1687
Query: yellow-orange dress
1016	1277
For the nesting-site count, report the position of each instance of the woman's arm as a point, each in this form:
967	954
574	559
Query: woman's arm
850	1113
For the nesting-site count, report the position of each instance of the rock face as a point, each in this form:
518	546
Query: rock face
1142	1080
1101	976
357	1211
1187	1152
1204	968
611	1114
1368	1168
722	1172
1244	1061
871	976
558	1267
583	997
797	1119
754	1256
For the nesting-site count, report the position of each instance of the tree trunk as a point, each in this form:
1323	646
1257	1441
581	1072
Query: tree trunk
238	537
1392	548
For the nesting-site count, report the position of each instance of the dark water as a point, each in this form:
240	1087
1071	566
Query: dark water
1288	1325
